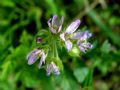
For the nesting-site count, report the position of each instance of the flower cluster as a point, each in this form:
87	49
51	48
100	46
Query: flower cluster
68	37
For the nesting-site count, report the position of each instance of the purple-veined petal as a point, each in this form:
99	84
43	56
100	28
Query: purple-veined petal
31	57
42	60
54	21
61	23
77	35
50	26
68	44
62	36
82	35
72	27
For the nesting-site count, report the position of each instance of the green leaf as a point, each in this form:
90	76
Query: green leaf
106	47
81	73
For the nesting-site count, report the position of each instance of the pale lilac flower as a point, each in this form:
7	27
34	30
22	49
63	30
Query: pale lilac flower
52	68
66	36
36	54
54	25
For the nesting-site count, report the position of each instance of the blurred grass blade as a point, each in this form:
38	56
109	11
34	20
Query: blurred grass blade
106	30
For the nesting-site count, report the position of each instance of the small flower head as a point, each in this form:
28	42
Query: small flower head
52	68
54	25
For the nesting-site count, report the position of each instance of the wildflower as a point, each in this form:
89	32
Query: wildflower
54	25
36	54
52	68
68	32
51	46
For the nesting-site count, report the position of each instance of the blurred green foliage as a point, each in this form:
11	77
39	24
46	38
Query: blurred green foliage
98	69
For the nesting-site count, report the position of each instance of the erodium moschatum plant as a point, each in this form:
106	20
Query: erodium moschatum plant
49	41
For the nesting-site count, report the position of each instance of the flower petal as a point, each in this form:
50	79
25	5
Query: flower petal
82	35
82	49
42	60
56	70
49	69
62	20
72	27
68	44
54	20
87	45
52	68
62	36
31	57
49	22
61	23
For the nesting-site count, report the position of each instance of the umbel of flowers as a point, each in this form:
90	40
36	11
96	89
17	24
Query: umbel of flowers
50	40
